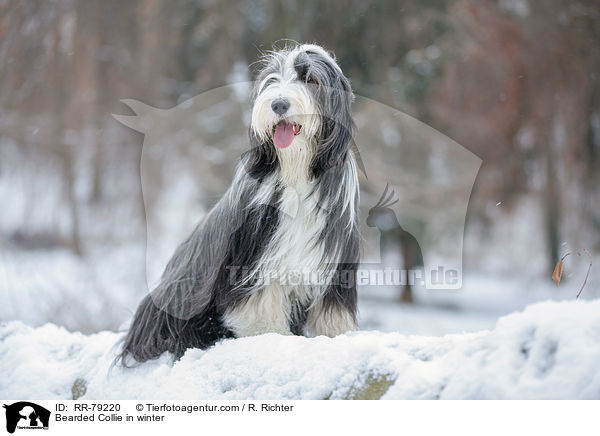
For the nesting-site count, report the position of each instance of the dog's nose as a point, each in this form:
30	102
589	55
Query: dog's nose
280	106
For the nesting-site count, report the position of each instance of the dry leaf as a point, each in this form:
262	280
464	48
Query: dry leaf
558	270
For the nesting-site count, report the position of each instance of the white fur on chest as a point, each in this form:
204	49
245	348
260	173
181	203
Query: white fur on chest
295	254
286	269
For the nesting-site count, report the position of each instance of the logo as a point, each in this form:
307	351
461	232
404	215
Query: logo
26	415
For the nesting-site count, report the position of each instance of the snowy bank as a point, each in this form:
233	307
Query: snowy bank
550	350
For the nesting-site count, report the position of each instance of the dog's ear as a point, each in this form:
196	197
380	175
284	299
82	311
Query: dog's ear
260	160
337	125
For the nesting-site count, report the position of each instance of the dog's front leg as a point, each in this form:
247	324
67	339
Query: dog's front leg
330	319
265	311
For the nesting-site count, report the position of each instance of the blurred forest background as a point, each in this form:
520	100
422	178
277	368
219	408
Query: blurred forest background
514	81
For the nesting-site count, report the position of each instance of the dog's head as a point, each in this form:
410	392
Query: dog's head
301	112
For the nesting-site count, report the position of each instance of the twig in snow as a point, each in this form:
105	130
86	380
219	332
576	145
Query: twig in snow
558	269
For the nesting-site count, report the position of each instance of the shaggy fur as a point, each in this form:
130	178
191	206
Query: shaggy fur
288	210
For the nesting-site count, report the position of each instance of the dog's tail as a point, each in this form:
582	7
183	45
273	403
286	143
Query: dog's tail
153	331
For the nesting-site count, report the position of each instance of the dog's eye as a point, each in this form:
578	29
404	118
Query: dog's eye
302	68
307	77
270	81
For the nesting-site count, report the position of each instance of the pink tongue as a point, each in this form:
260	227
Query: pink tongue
284	135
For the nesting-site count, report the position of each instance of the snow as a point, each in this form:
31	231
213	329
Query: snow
550	350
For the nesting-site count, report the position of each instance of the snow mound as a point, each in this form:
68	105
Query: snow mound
550	350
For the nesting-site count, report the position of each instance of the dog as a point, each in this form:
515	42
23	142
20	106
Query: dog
291	210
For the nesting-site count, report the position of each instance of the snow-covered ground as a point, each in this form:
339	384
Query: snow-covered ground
450	344
550	350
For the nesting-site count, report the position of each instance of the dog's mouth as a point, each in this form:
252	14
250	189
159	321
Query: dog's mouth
284	132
